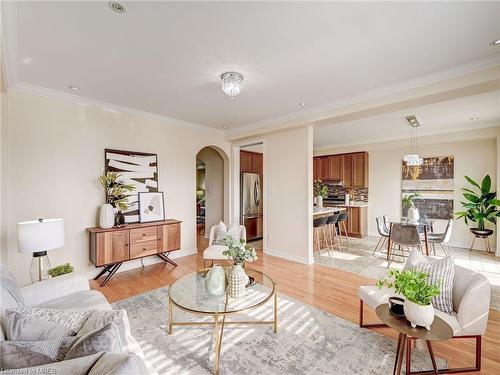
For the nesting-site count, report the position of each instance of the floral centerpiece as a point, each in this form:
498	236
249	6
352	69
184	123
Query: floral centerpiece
418	293
239	252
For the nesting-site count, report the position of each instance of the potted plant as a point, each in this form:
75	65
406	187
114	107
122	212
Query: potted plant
408	202
239	252
62	269
320	192
116	197
480	206
417	292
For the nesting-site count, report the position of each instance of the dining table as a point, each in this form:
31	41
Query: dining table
424	225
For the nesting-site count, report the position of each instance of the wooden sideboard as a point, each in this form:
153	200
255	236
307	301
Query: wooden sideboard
109	248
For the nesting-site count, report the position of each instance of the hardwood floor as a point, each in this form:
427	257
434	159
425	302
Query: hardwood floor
329	289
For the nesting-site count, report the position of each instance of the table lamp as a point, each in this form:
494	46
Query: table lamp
36	237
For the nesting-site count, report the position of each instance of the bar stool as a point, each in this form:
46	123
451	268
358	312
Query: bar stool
319	235
331	224
342	226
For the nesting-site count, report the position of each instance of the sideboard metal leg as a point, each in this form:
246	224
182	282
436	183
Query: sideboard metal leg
111	273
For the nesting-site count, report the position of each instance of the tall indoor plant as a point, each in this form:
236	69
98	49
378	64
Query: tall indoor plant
116	197
417	292
320	192
480	206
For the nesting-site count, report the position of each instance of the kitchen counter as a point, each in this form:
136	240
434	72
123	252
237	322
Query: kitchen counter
324	211
354	204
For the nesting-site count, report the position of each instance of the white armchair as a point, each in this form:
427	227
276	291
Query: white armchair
471	303
214	251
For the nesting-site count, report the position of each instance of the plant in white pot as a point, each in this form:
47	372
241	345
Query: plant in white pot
116	197
418	295
239	252
320	191
408	202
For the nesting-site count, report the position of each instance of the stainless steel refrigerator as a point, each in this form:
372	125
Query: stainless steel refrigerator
251	204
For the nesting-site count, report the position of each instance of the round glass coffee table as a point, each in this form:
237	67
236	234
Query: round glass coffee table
189	294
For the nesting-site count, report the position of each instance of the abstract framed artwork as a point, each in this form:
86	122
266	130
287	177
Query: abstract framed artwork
151	207
139	169
433	181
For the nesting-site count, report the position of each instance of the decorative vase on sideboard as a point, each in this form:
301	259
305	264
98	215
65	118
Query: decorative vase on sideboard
215	281
106	216
237	281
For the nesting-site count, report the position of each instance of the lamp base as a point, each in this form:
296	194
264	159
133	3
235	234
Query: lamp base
40	264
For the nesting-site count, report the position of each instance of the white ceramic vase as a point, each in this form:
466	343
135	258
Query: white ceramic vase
237	281
106	216
215	281
419	315
413	215
319	201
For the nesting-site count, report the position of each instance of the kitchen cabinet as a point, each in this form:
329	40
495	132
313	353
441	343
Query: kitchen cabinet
357	221
351	169
251	162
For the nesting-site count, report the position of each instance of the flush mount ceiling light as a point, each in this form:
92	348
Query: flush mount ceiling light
116	7
495	43
413	158
232	83
302	104
474	118
73	87
225	126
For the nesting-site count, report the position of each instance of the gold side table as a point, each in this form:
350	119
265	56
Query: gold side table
189	294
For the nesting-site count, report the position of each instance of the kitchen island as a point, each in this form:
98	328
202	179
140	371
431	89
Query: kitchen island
326	211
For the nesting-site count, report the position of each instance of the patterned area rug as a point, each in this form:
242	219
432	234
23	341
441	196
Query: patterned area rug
309	341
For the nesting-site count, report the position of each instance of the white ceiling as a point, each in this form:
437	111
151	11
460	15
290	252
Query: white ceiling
443	117
166	57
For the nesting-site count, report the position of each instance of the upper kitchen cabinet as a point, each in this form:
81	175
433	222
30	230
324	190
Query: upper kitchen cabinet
251	162
351	169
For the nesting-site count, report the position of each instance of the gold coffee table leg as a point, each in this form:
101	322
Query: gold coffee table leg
170	316
275	309
218	340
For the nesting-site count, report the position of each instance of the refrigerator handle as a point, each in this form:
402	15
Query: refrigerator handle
257	193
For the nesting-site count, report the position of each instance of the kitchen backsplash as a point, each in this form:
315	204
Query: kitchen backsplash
339	192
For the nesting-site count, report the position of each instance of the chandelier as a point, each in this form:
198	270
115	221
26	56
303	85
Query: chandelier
232	83
413	158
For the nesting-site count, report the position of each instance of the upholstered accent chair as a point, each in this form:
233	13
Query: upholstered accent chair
214	250
471	303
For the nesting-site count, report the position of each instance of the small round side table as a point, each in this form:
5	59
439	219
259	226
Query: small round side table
440	331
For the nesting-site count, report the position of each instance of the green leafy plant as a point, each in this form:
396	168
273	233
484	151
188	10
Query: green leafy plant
61	270
411	284
320	189
115	190
238	251
481	205
408	201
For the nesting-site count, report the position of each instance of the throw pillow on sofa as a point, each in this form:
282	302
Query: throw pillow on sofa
105	339
441	272
37	324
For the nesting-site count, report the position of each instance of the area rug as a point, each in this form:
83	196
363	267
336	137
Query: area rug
359	259
309	341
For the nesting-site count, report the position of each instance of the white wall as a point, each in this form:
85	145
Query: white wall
214	187
288	194
475	156
55	152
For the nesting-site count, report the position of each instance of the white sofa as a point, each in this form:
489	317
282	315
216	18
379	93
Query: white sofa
68	292
471	303
214	251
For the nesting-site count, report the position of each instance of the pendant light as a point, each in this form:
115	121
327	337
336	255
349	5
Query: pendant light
413	158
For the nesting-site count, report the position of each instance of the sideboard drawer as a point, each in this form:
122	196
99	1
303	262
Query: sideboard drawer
142	249
143	234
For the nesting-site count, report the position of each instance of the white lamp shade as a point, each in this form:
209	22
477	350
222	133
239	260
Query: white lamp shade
40	235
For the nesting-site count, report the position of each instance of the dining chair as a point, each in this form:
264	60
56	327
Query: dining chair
383	233
441	239
405	237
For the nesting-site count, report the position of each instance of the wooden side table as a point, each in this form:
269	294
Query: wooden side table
440	331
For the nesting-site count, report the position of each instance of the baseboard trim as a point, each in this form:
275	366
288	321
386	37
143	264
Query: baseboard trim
133	264
288	256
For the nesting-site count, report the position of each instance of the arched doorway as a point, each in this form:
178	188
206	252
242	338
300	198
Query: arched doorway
211	191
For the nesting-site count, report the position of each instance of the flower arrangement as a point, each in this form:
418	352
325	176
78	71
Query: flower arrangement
238	251
115	190
320	189
411	284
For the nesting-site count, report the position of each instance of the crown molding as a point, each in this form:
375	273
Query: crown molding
77	99
321	112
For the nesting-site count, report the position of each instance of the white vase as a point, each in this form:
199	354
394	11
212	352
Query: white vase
319	201
215	281
106	216
413	215
419	315
237	281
